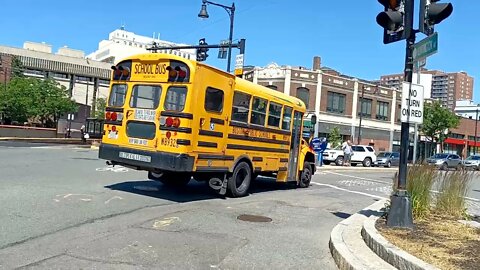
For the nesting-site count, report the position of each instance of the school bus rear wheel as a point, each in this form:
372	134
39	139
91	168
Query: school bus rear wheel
173	179
239	182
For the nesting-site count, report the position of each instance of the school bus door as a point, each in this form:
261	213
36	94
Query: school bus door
295	146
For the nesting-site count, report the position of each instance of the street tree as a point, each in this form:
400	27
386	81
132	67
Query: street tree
334	138
437	120
53	101
101	104
18	103
17	68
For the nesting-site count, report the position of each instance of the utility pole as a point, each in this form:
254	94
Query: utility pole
359	136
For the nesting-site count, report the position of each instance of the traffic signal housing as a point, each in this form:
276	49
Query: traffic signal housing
202	52
393	20
432	13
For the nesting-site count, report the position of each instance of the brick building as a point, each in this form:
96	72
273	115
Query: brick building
336	99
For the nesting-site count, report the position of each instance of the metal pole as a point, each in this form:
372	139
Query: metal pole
86	103
400	214
476	122
359	136
232	14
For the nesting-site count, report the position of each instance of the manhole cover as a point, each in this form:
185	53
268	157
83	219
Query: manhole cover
254	218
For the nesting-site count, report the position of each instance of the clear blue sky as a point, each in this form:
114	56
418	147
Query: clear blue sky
343	33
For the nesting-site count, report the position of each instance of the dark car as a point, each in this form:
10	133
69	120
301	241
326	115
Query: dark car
387	159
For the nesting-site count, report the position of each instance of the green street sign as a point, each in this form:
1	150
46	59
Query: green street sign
425	47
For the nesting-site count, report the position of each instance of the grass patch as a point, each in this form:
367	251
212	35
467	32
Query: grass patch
438	240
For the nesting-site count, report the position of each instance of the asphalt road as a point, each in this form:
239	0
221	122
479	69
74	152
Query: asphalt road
62	207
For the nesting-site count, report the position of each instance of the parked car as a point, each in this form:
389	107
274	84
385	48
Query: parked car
387	159
445	161
472	162
362	154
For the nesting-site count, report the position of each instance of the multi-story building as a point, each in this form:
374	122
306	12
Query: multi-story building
339	101
122	43
445	87
85	79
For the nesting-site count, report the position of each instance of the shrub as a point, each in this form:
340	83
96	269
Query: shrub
453	187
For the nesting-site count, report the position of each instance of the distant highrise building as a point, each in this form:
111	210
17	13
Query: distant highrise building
445	87
122	44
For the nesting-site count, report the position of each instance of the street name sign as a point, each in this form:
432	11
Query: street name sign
412	103
425	47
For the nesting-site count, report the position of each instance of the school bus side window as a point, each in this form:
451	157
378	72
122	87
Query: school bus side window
274	112
175	98
241	107
145	96
259	111
117	95
287	118
213	100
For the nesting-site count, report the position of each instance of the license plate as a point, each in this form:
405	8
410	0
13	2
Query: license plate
136	157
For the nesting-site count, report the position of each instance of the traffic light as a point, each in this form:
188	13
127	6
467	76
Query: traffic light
432	13
392	19
202	52
241	46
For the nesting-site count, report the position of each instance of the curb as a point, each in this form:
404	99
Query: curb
388	252
347	246
47	140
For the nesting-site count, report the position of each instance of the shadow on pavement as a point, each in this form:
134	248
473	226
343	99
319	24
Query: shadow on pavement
194	191
341	215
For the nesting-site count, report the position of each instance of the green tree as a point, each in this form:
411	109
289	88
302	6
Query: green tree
100	106
437	120
17	68
334	138
53	101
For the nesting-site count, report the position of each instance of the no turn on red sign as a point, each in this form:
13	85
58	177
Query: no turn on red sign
412	103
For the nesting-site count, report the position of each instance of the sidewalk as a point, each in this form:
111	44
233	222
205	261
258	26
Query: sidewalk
75	141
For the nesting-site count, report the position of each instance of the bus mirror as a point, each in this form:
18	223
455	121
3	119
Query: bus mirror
313	120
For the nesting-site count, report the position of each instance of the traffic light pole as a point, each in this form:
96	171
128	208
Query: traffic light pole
400	214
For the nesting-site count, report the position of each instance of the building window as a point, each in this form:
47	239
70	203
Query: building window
304	95
382	110
366	107
456	136
271	86
336	102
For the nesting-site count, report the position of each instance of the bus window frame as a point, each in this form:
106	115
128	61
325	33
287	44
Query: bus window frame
110	95
205	100
249	106
291	117
251	111
184	101
151	85
279	116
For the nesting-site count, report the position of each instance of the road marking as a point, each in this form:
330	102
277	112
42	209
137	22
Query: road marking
113	198
347	190
61	197
361	178
116	169
164	222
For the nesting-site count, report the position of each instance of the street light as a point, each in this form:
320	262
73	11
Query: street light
231	12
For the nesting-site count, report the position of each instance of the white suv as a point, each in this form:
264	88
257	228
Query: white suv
362	154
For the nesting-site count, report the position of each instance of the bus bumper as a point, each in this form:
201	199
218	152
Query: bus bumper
145	160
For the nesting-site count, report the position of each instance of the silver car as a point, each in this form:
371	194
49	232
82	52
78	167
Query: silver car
445	161
387	159
472	162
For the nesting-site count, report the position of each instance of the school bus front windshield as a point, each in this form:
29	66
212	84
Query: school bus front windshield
178	119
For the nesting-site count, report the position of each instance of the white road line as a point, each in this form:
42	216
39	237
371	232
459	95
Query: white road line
361	178
390	183
347	190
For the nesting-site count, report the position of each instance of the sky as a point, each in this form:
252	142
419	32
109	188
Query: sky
343	33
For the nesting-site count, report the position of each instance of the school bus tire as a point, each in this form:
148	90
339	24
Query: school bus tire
239	181
171	179
305	175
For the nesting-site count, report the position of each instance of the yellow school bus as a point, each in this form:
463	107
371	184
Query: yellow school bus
178	119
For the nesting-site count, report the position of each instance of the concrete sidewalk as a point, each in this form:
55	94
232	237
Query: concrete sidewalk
74	141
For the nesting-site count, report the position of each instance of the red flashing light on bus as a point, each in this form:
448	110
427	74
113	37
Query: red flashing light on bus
169	122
